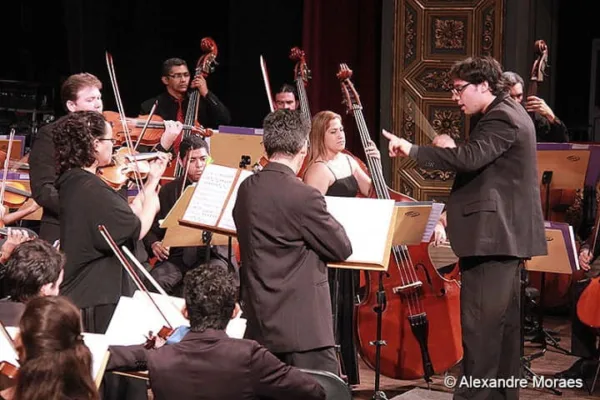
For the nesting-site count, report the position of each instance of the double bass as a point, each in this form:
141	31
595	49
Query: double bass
555	202
421	315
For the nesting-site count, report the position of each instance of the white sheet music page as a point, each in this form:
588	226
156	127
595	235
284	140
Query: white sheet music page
7	351
367	223
434	217
210	194
97	343
227	218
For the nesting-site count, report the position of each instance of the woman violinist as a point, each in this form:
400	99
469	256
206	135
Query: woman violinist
55	363
94	279
335	173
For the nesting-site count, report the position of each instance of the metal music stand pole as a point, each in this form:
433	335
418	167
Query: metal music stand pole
379	309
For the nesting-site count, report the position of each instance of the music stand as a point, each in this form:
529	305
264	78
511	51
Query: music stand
401	237
560	166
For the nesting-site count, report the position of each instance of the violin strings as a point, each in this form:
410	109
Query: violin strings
402	257
143	132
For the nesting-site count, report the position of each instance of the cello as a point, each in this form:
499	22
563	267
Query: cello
588	311
555	202
420	313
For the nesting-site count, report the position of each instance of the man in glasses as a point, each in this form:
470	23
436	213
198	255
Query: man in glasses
494	219
173	102
548	128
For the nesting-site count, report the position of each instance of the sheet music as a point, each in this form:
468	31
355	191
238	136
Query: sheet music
134	317
434	217
573	247
210	194
97	343
367	223
7	351
227	218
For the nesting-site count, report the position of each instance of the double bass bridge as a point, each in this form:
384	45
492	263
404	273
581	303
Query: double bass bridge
411	287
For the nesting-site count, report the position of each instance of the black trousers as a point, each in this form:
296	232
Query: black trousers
490	319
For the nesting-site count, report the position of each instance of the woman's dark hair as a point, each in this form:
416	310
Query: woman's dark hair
56	364
74	136
477	70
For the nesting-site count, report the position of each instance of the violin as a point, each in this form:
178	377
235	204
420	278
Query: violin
8	375
15	194
126	166
151	136
166	331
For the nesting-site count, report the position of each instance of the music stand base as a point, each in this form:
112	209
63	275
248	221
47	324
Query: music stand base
528	374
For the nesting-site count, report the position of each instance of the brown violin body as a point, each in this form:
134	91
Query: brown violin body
15	194
122	169
8	375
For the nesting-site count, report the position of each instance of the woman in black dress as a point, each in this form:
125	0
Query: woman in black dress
335	173
94	279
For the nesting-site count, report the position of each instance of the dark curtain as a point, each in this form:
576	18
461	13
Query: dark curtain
344	31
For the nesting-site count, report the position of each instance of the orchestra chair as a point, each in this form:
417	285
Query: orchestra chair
334	386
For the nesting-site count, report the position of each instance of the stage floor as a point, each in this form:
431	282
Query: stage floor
552	362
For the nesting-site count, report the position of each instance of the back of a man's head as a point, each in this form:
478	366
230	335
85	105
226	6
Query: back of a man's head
210	295
284	132
32	266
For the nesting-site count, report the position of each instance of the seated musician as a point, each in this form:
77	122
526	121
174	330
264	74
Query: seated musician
33	269
79	92
583	337
206	363
335	173
173	103
548	127
94	278
174	262
54	361
286	98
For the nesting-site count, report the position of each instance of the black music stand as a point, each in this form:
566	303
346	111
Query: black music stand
560	166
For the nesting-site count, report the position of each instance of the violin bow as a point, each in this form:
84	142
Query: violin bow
146	124
11	138
128	141
136	279
156	285
265	75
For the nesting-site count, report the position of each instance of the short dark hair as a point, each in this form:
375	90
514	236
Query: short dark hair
512	78
287	88
74	83
170	63
477	70
210	295
73	137
191	142
31	265
284	132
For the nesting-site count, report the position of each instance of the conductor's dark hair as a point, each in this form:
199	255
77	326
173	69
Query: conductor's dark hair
477	70
210	295
284	132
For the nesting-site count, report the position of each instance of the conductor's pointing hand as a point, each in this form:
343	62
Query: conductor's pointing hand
398	147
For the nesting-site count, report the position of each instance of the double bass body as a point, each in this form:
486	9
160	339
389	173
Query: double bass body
438	298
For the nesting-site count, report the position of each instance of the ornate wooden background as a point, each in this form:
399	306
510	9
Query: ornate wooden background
430	35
